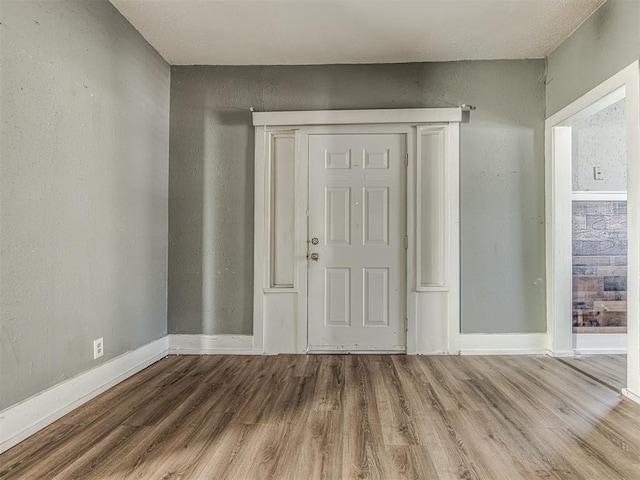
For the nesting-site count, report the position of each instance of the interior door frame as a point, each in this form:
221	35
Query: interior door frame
558	174
280	305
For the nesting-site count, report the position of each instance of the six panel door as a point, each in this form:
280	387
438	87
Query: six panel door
356	228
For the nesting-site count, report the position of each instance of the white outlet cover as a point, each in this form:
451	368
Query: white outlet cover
98	348
597	173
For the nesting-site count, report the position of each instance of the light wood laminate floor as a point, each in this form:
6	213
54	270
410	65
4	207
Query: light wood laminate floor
342	417
611	370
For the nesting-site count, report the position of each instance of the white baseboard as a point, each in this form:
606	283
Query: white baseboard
503	343
25	418
212	345
562	354
599	343
630	395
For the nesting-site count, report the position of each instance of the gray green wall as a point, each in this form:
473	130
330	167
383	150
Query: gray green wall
84	138
83	179
502	180
606	42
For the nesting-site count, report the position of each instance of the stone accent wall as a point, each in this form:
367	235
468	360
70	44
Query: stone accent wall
599	264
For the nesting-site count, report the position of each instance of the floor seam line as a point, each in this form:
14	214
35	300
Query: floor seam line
592	377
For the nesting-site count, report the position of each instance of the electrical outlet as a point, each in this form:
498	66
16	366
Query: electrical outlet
597	173
98	348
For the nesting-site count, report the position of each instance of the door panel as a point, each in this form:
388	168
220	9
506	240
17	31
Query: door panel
338	215
357	213
376	216
337	287
376	296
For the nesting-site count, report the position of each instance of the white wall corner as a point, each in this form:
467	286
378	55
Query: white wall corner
33	414
212	345
503	344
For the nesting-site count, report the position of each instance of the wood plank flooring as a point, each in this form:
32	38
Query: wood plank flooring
609	369
342	417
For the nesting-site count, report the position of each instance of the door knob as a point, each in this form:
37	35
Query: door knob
314	256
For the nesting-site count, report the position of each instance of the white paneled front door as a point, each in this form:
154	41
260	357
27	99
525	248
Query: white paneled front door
356	295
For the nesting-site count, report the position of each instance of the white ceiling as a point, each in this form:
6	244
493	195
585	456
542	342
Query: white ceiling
270	32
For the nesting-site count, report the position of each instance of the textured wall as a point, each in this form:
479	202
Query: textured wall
606	43
601	140
84	165
502	180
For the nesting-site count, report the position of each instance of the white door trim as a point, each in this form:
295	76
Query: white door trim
280	310
358	117
625	84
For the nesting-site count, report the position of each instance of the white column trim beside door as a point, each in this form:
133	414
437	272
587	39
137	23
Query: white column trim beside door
434	290
453	257
280	314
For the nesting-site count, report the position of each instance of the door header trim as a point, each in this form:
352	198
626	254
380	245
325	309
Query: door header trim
355	117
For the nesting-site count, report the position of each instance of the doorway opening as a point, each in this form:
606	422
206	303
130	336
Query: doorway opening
599	243
592	251
599	230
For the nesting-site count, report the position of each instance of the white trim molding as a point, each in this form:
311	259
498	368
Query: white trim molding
600	196
33	414
212	345
433	227
358	117
630	395
433	307
599	343
503	344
